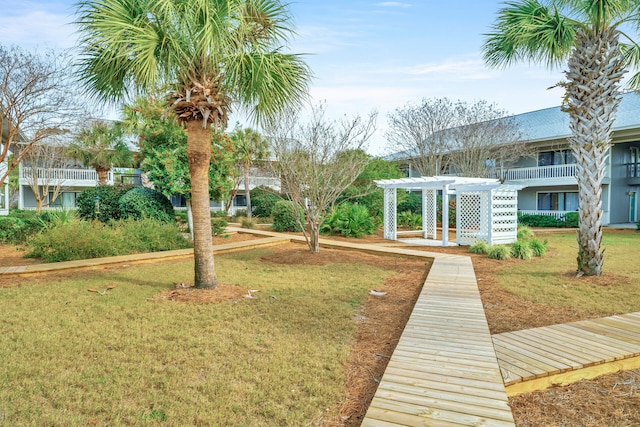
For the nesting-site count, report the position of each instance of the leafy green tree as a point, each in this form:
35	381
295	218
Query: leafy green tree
101	146
163	148
364	191
209	53
251	148
590	37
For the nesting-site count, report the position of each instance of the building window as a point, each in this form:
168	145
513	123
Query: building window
561	201
178	201
561	157
240	200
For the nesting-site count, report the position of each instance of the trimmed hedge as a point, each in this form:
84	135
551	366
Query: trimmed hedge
570	220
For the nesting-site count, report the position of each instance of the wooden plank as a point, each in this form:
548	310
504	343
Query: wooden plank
451	411
516	358
440	377
573	376
615	343
554	339
529	336
533	351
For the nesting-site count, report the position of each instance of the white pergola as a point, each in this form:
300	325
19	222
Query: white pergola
486	209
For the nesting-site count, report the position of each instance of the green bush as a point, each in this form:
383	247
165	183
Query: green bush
408	219
349	220
571	219
499	252
240	213
480	247
94	239
109	202
219	226
247	223
219	214
547	220
524	232
452	211
263	199
411	203
150	235
284	216
142	202
538	248
12	229
521	249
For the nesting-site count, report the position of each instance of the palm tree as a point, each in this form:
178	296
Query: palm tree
101	146
209	53
250	148
588	37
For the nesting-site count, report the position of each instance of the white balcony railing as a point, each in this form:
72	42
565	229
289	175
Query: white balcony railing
254	182
540	172
555	214
64	175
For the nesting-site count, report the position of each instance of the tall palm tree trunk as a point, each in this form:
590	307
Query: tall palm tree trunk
199	157
247	191
103	174
595	70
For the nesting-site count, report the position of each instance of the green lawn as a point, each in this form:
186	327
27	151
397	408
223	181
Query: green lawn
72	357
550	280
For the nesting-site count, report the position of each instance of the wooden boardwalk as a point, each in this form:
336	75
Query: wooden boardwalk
444	370
537	358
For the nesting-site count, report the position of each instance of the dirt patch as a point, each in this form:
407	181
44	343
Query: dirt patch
189	294
14	255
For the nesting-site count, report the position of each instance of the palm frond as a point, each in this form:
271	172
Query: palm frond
529	31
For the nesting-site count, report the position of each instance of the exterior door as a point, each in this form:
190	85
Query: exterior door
633	214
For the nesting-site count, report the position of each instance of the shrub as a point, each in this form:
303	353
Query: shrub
150	235
12	229
524	232
349	220
571	219
143	202
218	226
219	214
411	203
109	202
540	221
263	199
247	223
452	211
521	249
538	248
94	239
286	215
480	247
499	252
409	219
76	240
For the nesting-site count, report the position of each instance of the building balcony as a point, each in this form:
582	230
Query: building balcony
75	177
257	181
541	175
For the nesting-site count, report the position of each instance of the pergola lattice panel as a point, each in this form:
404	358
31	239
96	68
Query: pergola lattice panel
472	217
429	213
504	214
390	209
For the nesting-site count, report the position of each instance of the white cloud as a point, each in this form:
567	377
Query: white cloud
393	4
37	28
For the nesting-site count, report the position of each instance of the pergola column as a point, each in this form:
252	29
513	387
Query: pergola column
390	211
445	215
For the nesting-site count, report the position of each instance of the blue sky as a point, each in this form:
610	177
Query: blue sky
365	54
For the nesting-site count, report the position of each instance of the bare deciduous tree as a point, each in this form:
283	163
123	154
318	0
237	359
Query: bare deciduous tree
43	168
484	142
417	132
317	160
469	139
36	101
